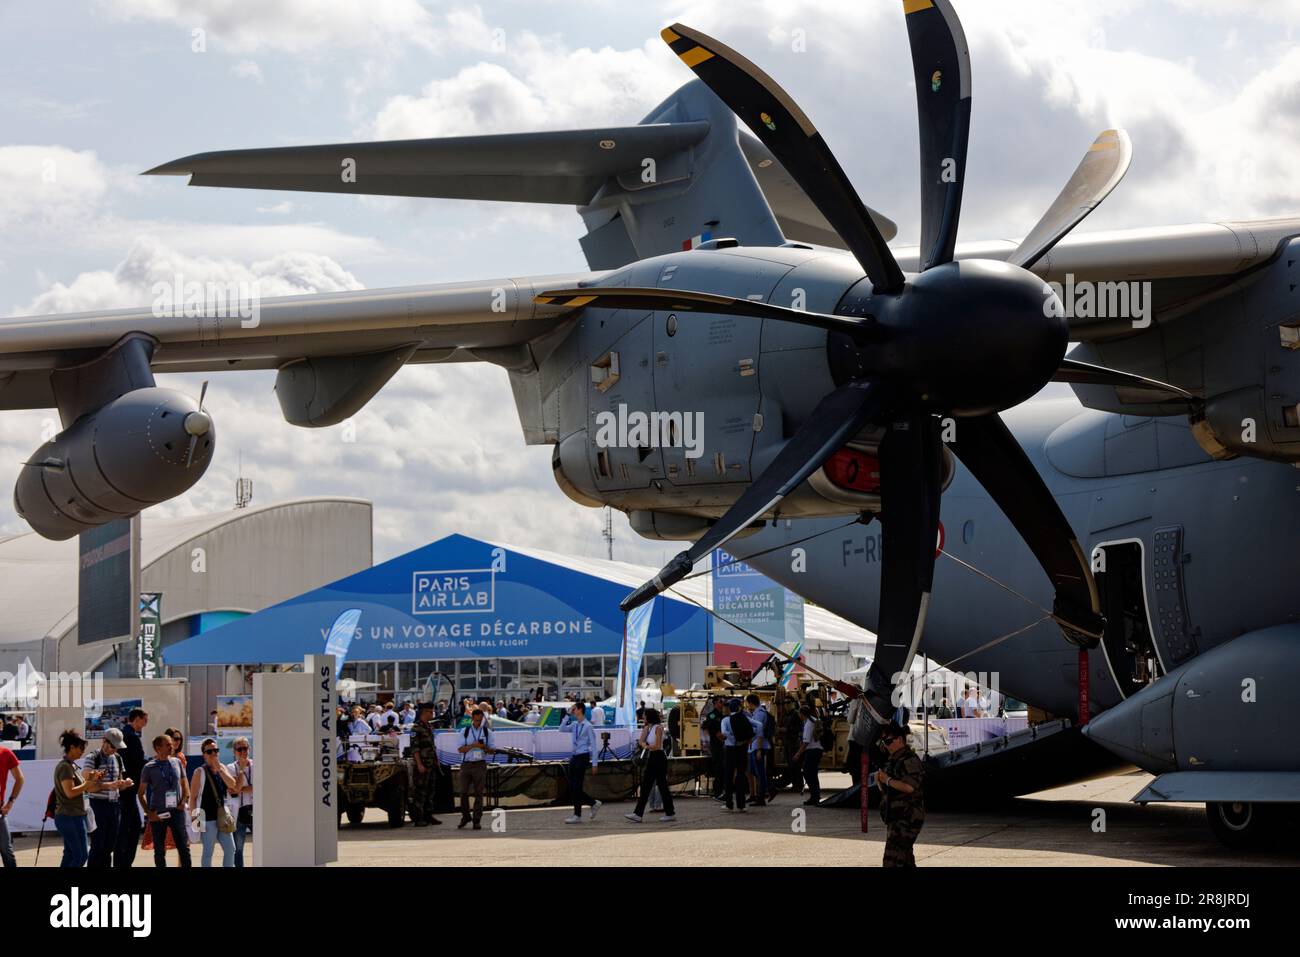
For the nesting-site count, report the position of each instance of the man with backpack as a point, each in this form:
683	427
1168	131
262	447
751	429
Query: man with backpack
474	749
737	732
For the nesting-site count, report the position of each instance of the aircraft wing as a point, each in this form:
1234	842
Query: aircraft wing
1186	266
428	323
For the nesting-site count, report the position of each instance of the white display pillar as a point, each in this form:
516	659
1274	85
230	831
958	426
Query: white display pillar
295	810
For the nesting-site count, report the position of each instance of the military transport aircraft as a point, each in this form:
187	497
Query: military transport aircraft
736	275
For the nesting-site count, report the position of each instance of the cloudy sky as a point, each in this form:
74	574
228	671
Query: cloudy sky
99	90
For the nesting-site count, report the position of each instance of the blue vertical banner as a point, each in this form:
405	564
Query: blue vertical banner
340	638
636	631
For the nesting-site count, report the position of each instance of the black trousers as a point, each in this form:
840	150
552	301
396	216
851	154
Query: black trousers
853	762
812	762
577	772
129	830
656	775
735	775
717	768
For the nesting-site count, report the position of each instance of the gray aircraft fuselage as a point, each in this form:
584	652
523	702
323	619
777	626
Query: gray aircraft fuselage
1239	522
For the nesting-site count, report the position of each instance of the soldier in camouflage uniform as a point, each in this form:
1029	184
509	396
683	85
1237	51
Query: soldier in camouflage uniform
902	803
425	757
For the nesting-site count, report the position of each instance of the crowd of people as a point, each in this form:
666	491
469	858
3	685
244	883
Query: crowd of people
103	797
973	703
16	728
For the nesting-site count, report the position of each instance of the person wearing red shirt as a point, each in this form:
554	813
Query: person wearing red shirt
8	762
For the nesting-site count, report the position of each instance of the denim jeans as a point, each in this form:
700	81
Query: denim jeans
241	835
175	824
758	768
6	844
103	841
211	835
75	848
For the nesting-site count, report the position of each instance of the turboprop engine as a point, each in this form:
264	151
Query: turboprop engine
144	447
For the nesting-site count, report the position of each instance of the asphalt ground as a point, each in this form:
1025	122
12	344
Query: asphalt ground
1048	829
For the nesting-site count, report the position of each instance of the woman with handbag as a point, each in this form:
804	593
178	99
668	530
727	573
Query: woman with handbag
656	769
211	785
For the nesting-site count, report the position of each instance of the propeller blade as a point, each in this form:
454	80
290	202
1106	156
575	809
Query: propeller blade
677	300
1098	173
203	393
837	418
1085	373
988	449
791	137
941	65
911	478
189	456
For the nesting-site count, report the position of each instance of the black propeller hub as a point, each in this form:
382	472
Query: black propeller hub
965	338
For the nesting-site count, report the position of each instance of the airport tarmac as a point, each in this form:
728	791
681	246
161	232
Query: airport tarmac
1048	829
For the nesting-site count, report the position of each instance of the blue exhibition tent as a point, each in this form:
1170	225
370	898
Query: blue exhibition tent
457	597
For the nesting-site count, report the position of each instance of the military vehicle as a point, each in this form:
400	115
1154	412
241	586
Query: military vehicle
379	780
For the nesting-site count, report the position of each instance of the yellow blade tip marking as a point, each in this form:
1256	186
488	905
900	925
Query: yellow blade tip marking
915	6
669	35
695	56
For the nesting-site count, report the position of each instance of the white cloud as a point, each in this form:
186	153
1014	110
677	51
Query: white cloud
48	187
247	70
538	83
294	26
149	261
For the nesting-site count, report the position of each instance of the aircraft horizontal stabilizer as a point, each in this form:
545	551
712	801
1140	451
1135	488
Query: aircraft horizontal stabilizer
566	167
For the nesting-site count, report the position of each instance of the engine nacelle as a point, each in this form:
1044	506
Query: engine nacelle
142	448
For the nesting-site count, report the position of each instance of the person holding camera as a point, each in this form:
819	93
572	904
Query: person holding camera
71	788
105	804
241	769
474	750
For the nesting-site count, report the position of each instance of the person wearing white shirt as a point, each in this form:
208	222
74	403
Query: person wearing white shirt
241	800
597	715
656	769
810	752
358	724
474	751
532	717
408	715
971	706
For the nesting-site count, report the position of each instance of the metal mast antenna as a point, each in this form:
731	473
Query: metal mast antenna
243	486
607	533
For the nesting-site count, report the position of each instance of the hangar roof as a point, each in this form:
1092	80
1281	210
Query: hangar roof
38	577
